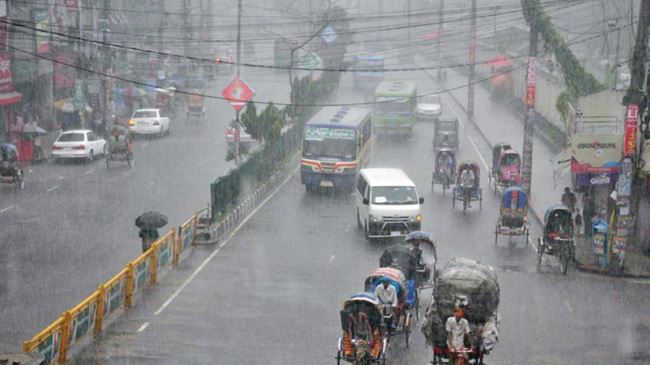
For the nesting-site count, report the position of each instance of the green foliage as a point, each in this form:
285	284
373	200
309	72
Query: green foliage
272	120
579	82
250	120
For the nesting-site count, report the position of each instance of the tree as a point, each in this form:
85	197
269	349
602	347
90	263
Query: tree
250	120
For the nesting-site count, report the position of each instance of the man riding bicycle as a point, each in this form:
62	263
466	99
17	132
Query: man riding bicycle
457	329
467	181
446	166
387	295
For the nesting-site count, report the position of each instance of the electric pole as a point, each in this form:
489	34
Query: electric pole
441	13
472	60
186	25
161	28
239	8
529	124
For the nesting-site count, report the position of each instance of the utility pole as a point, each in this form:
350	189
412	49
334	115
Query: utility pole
106	61
496	9
408	28
161	28
239	8
186	25
529	124
472	60
441	17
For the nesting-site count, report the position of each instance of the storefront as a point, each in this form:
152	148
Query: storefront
8	98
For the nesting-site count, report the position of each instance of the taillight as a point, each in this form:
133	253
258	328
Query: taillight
229	60
131	122
228	131
218	60
57	148
79	147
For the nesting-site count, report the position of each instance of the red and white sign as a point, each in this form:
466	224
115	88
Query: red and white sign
64	75
531	80
631	125
74	4
238	93
5	72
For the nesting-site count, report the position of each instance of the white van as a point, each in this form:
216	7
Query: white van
387	203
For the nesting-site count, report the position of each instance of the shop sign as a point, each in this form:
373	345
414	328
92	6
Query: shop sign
596	153
619	244
3	32
5	72
599	244
631	125
64	76
42	25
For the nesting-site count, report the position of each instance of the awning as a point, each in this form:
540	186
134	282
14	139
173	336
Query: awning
10	98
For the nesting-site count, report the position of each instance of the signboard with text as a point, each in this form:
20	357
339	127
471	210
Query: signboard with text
5	72
631	126
64	75
596	153
42	24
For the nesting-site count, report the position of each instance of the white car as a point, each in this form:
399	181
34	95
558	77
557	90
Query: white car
78	144
429	107
149	121
244	137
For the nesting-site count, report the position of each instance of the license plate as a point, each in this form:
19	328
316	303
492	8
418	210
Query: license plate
326	184
396	233
142	123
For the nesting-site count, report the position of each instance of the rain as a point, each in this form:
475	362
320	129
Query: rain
247	181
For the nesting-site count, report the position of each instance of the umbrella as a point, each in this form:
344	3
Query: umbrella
500	61
151	220
134	92
400	257
67	106
29	128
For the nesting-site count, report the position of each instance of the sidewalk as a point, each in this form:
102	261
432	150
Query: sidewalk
497	123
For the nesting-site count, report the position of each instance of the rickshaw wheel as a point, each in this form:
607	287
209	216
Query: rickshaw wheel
495	186
480	199
496	236
338	357
564	260
130	162
453	198
108	164
540	252
21	182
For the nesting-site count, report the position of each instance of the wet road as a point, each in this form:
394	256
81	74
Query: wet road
271	293
72	228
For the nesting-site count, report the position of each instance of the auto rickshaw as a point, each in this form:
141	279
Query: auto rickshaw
10	171
445	134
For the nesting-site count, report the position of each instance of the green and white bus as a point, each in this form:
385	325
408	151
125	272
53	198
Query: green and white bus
394	109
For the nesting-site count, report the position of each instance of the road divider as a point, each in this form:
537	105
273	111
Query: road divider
90	316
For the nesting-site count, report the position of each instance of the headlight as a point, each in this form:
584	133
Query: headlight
418	218
374	219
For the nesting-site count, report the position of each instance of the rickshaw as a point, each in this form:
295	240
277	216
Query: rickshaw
558	237
425	267
10	171
513	214
354	348
475	192
401	325
195	110
444	175
445	134
165	101
508	171
119	146
401	257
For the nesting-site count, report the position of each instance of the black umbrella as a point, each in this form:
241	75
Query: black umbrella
400	257
151	220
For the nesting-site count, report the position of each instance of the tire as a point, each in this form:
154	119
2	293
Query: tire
105	151
453	198
108	164
496	236
366	234
564	261
495	186
480	199
21	182
359	224
465	203
91	157
540	253
338	357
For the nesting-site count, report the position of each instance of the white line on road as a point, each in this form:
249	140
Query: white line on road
89	172
143	327
332	258
216	251
632	281
144	145
568	306
53	188
532	244
6	209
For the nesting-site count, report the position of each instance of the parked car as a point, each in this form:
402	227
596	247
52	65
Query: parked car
78	144
429	107
149	121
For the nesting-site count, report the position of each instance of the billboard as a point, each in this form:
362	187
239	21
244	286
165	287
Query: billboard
5	72
42	23
64	75
596	153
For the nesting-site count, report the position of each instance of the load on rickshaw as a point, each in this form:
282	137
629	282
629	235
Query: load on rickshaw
396	317
195	110
513	214
473	287
363	341
506	166
10	171
558	237
119	146
444	172
401	257
468	185
165	100
445	134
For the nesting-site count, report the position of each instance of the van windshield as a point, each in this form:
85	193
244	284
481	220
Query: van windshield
394	195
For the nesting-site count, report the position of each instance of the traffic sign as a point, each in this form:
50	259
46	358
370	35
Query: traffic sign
238	93
311	61
329	34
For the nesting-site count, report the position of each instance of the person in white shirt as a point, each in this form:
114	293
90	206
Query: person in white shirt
386	293
457	329
467	180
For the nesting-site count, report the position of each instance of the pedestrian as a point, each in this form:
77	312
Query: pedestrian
569	199
149	236
588	212
579	222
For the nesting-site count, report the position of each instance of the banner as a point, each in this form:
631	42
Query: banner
596	153
5	72
64	76
3	32
631	127
42	24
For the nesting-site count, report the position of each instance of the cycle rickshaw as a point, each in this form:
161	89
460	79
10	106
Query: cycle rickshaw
445	134
513	214
508	169
558	237
475	192
119	146
355	347
444	174
406	301
10	171
425	272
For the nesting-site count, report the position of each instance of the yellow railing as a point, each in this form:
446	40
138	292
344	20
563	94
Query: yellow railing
89	315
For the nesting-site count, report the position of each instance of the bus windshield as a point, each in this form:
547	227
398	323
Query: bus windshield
393	106
332	143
